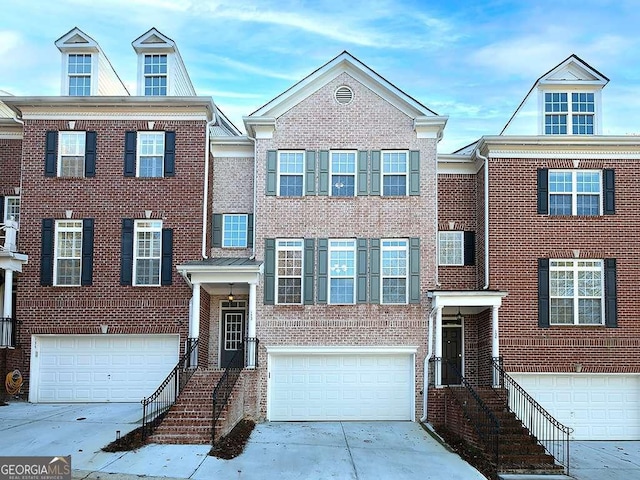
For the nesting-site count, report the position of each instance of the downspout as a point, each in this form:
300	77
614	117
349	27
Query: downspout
486	219
205	203
255	193
425	386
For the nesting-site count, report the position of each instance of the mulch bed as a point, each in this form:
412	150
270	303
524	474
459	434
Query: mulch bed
468	453
232	444
130	441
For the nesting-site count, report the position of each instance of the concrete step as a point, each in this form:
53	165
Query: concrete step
532	476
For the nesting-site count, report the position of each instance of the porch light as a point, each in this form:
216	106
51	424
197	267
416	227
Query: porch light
230	296
459	316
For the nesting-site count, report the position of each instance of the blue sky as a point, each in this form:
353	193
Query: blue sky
473	61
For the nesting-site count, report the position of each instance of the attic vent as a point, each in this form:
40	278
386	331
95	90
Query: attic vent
344	95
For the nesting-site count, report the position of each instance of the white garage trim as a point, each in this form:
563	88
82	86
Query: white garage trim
99	368
598	406
340	383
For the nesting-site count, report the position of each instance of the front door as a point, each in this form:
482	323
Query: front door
451	354
232	338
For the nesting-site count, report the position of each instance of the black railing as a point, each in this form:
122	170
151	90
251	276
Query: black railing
155	406
246	355
8	332
481	418
549	432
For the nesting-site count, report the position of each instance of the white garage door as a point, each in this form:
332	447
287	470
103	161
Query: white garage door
100	368
341	387
596	406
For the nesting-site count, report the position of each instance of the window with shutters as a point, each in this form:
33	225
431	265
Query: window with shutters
394	270
67	267
155	75
71	154
289	271
342	271
290	173
576	292
151	148
147	252
575	192
451	248
234	231
343	174
394	173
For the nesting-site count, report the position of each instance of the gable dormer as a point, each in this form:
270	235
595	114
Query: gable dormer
86	70
161	71
568	102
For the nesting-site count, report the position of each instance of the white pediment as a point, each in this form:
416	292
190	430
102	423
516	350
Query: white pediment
573	70
152	40
76	39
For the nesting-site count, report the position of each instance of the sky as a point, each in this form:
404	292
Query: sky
473	61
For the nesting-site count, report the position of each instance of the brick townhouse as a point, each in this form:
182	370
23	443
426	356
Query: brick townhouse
357	270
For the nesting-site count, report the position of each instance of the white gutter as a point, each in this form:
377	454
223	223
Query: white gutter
486	219
205	202
425	386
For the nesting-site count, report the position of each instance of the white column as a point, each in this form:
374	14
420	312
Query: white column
495	341
251	328
194	321
7	306
438	348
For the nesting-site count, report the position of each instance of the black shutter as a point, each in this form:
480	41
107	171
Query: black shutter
130	154
166	268
543	191
609	191
469	248
126	254
51	154
269	271
46	254
543	292
610	300
217	230
87	252
250	230
1	209
90	154
169	154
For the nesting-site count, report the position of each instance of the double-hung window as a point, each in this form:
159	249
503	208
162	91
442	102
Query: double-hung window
451	248
147	252
395	269
569	113
394	173
290	174
342	271
234	231
155	75
576	292
11	208
150	154
71	153
289	270
575	192
68	253
79	74
343	174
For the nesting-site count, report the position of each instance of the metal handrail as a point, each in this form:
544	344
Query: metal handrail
156	405
227	382
549	432
8	332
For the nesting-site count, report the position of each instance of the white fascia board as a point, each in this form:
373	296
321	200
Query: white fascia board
232	147
466	299
12	261
260	127
341	350
430	126
458	165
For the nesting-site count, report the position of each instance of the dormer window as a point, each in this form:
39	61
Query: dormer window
79	74
155	75
569	112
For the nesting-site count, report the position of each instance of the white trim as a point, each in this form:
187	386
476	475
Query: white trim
462	339
354	174
339	350
302	174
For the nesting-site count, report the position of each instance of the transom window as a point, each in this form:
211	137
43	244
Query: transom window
342	271
576	290
575	192
234	231
343	174
151	154
11	209
563	116
394	173
290	173
71	154
155	75
289	271
68	252
451	248
147	252
395	269
79	71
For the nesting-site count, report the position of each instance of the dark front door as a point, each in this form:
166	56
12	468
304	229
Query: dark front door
451	355
232	337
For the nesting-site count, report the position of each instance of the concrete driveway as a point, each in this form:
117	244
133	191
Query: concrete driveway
341	450
605	460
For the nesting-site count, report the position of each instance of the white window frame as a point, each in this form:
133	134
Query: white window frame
143	152
451	247
388	245
236	232
11	208
575	267
72	229
334	163
84	75
76	150
571	114
281	173
151	75
150	231
345	246
404	174
574	191
289	245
